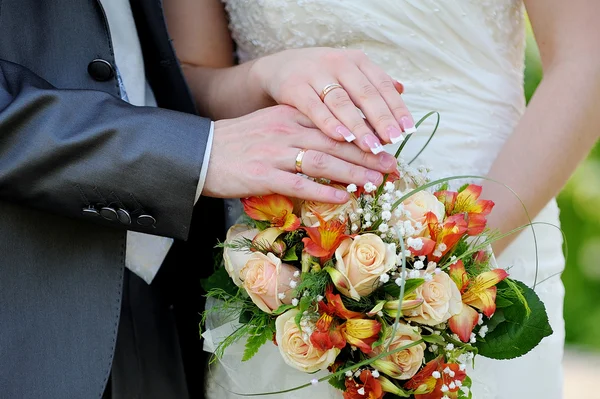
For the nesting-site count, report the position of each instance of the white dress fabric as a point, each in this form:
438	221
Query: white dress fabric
464	59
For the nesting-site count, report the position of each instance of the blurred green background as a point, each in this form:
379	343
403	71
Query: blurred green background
579	203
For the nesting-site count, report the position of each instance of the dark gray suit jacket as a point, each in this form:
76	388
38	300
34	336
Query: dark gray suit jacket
78	167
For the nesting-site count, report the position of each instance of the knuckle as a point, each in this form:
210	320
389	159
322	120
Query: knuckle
298	183
367	90
356	174
365	158
330	122
322	191
341	99
387	85
360	126
384	119
399	110
320	160
332	146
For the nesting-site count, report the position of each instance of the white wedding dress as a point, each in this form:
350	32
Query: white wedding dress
465	59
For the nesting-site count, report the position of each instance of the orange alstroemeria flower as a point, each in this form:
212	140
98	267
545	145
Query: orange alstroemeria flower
467	202
444	234
361	333
323	240
327	333
355	330
275	208
478	293
426	386
368	387
481	293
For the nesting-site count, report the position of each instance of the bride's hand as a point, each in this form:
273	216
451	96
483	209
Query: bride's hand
300	78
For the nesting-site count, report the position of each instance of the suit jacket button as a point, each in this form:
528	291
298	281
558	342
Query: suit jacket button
124	216
109	214
101	70
90	212
146	220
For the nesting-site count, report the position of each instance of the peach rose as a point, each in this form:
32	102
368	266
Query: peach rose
441	300
417	206
309	209
235	259
295	346
404	364
267	281
360	262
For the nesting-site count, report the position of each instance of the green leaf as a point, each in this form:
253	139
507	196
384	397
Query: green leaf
257	338
219	279
518	333
246	316
282	309
338	382
496	320
463	187
443	187
409	286
434	339
290	255
502	302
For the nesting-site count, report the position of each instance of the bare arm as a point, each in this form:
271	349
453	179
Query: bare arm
205	50
292	77
562	121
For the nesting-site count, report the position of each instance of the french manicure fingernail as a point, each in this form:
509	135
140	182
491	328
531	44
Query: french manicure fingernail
395	134
374	177
408	125
373	143
346	134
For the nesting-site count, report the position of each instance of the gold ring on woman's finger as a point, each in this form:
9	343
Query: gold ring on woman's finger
329	88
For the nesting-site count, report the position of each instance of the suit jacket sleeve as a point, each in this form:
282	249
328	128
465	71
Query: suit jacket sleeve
87	154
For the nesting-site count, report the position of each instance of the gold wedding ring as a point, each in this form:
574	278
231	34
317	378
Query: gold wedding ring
299	160
327	89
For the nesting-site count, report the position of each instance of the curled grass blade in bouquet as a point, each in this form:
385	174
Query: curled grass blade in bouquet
393	293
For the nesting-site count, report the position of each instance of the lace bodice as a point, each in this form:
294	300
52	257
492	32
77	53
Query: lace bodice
463	58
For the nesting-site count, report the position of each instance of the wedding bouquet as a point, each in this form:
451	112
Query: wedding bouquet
393	293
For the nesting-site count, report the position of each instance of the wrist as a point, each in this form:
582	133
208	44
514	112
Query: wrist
259	83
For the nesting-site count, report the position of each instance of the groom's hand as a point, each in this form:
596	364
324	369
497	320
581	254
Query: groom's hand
258	154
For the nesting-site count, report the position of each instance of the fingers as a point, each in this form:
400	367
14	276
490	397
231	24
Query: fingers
315	140
319	113
297	186
323	165
370	100
343	108
390	91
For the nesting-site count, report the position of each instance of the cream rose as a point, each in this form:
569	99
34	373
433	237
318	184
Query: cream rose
360	262
417	206
235	259
441	300
309	210
267	281
404	364
295	346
